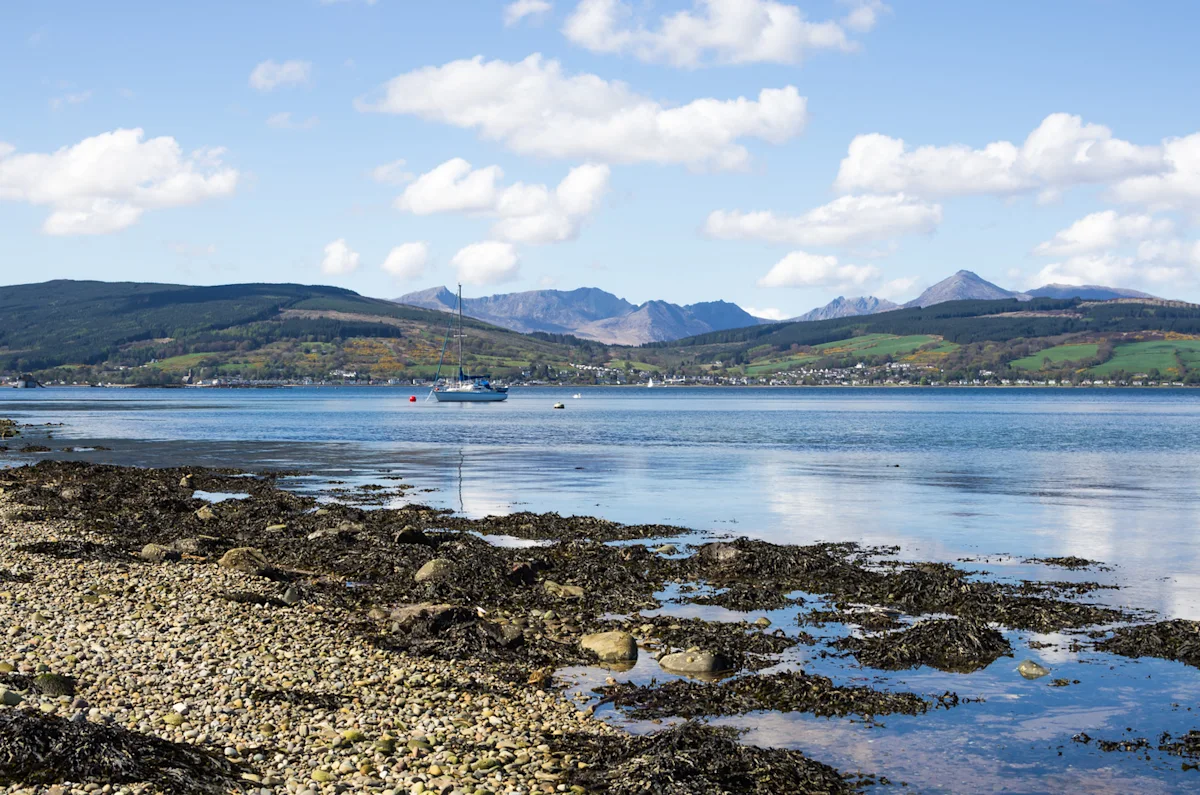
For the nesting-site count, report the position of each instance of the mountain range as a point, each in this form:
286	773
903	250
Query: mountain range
591	313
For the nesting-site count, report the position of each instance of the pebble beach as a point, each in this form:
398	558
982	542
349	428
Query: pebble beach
288	695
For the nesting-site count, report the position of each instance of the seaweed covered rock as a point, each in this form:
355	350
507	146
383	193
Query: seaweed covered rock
40	749
50	684
787	691
1171	640
694	759
950	644
244	559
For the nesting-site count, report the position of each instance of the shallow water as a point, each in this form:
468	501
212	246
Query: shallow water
994	476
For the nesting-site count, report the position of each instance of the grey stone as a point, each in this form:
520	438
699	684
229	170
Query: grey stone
436	570
696	662
157	553
611	646
245	559
1031	670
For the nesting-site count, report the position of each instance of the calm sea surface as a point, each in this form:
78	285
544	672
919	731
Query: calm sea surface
994	476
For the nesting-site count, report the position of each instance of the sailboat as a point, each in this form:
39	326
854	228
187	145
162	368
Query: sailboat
650	383
464	388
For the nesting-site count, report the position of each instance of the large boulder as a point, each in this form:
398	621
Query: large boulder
436	570
246	559
611	646
720	554
157	553
696	662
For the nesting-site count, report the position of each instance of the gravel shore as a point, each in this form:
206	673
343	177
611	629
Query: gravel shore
294	700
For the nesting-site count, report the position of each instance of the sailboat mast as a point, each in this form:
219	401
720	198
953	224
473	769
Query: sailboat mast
460	333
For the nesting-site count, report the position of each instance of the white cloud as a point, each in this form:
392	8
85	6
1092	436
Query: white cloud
1110	269
339	258
516	11
284	121
524	213
104	183
845	220
720	31
534	109
1178	187
392	173
484	263
1060	153
767	314
58	103
801	269
407	261
451	187
896	289
1103	230
269	75
1170	251
864	14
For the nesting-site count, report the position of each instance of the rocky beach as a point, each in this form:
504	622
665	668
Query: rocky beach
199	630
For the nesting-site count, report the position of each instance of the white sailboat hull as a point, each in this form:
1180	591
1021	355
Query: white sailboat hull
469	397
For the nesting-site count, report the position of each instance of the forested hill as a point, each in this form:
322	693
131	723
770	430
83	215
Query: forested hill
88	332
965	322
57	323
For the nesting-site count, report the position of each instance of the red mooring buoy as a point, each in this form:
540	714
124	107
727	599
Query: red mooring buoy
412	398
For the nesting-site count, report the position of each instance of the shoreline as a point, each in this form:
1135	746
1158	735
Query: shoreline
375	649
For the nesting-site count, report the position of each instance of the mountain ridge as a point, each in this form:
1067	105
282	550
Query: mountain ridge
589	313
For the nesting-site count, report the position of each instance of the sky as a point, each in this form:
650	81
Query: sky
768	152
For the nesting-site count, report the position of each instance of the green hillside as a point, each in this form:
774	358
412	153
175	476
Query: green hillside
157	333
1169	357
1057	356
75	330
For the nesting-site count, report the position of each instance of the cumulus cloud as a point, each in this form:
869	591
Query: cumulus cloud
524	213
1177	187
845	220
896	289
1104	230
533	108
1111	269
516	11
801	269
1060	153
864	14
269	75
490	262
392	173
407	261
714	31
339	258
105	183
284	121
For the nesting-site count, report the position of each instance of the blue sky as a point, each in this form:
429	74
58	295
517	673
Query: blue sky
674	188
